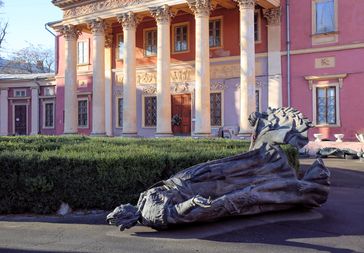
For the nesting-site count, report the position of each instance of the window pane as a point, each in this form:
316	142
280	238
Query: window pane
150	110
326	105
256	27
325	16
120	46
257	101
49	115
331	106
215	33
215	109
82	113
120	112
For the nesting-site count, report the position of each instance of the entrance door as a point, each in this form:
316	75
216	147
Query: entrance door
181	112
20	118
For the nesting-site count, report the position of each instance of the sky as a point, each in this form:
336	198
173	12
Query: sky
26	23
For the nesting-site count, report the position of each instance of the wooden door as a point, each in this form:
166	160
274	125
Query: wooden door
181	106
20	119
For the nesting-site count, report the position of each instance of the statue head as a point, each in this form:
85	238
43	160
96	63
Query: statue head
124	216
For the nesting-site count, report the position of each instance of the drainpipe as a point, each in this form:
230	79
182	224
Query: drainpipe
55	46
288	52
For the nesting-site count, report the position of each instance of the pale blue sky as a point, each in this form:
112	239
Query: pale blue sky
26	23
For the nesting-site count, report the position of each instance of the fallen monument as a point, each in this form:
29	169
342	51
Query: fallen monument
258	181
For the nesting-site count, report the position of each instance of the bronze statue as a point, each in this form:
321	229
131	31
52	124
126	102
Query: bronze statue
258	181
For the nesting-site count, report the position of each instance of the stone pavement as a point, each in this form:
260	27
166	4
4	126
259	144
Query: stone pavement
336	227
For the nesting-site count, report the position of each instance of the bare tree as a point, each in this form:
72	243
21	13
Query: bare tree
3	27
33	59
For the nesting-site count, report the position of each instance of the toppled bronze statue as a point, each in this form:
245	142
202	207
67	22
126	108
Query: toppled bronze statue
258	181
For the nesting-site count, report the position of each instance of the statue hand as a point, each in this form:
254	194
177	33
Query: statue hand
201	201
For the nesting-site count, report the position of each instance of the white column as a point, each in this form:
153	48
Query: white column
201	9
129	23
98	82
4	112
247	64
162	15
274	57
35	111
70	34
108	86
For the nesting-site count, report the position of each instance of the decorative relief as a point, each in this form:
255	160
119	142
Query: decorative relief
182	75
224	71
70	32
97	26
273	16
218	86
119	79
128	20
82	83
108	40
246	4
326	62
162	14
201	7
101	6
118	93
180	88
146	78
150	90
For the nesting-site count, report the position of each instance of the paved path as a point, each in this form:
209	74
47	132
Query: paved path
336	227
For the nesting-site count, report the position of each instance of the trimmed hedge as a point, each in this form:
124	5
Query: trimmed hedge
38	173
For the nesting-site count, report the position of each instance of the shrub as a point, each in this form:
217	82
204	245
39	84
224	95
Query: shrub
38	173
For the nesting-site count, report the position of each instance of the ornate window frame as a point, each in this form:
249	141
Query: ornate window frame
174	26
222	107
117	112
324	38
221	18
145	31
87	111
44	102
117	48
143	110
315	82
86	52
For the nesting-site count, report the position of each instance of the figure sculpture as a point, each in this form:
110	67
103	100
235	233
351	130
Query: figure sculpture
258	181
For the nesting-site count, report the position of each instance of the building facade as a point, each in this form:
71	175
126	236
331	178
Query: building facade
191	67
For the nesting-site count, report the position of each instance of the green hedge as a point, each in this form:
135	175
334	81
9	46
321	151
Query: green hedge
37	173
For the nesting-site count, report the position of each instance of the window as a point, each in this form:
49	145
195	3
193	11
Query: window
257	100
150	42
120	47
150	111
257	26
326	105
49	115
215	109
180	37
325	16
83	113
20	93
120	112
82	52
215	32
49	91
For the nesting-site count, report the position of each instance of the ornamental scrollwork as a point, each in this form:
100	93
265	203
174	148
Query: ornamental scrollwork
69	32
273	16
150	90
246	4
97	26
162	14
201	7
219	86
128	20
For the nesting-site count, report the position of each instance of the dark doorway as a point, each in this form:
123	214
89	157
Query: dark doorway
181	106
20	119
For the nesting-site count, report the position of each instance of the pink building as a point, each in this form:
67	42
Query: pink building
127	68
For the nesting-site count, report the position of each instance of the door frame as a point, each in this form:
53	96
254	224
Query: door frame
26	116
192	94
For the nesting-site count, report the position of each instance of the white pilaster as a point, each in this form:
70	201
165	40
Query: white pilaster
70	34
129	23
35	111
108	86
98	83
247	64
162	15
4	106
201	9
274	57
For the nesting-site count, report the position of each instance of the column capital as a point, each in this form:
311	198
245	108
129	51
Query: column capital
273	15
162	14
69	32
128	20
201	7
246	4
97	26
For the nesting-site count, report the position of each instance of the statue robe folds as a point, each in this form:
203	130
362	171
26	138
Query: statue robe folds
258	181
